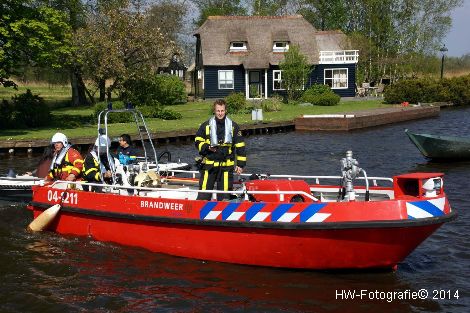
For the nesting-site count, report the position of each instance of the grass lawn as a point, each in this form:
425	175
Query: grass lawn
54	95
194	113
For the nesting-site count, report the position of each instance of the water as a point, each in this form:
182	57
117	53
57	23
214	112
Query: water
53	273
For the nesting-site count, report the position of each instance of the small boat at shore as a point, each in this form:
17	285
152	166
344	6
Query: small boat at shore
18	188
287	221
441	147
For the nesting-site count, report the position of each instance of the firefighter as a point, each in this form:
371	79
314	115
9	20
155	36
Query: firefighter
222	149
67	163
97	168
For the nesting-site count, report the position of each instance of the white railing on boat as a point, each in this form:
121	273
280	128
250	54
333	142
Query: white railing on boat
67	185
316	178
23	179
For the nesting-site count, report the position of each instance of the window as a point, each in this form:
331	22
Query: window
336	78
277	80
226	79
238	46
280	46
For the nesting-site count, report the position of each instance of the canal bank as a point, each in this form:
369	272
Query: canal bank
332	122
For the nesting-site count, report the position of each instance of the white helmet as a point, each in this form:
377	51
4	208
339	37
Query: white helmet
103	141
59	137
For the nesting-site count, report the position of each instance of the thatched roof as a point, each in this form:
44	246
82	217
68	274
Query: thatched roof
332	40
260	32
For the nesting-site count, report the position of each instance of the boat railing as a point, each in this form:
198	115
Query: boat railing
316	178
25	179
67	185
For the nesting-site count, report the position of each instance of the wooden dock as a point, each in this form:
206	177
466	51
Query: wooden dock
363	119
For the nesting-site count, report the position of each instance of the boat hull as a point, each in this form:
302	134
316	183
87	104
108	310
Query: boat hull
353	248
182	228
441	147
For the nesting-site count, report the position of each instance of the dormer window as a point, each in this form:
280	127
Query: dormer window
238	46
281	46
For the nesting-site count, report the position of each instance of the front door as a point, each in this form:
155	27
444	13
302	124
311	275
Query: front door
254	84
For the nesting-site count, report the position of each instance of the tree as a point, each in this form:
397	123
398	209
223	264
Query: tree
168	16
217	7
391	34
173	20
267	7
76	12
31	34
295	71
325	14
121	44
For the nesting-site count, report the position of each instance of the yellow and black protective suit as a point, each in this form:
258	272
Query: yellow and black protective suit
93	169
224	137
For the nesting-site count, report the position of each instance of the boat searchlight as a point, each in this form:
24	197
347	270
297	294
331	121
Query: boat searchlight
432	187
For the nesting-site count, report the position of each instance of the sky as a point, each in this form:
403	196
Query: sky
458	39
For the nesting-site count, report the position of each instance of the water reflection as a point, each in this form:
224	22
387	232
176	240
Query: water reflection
128	279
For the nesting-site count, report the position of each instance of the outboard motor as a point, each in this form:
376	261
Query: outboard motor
350	170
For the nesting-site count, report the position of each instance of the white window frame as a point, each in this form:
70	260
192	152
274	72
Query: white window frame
225	80
335	80
233	48
277	80
284	48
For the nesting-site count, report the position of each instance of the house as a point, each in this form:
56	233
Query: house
242	54
174	66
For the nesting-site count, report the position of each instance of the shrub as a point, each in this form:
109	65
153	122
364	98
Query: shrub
416	90
141	92
318	89
171	89
320	95
271	105
149	111
164	114
30	110
121	117
154	90
7	113
455	90
236	102
458	90
167	114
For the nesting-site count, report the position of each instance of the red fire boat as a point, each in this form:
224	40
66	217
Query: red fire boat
309	222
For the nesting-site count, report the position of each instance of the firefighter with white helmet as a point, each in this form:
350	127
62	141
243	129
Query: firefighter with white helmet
67	163
97	168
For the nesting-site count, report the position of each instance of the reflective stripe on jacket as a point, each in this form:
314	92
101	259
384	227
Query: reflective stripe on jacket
71	164
228	154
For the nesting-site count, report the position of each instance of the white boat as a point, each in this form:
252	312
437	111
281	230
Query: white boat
18	187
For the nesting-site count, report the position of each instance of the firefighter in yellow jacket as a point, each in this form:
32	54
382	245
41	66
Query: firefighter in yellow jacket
222	148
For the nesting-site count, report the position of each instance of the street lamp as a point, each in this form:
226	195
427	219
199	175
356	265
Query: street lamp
443	50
